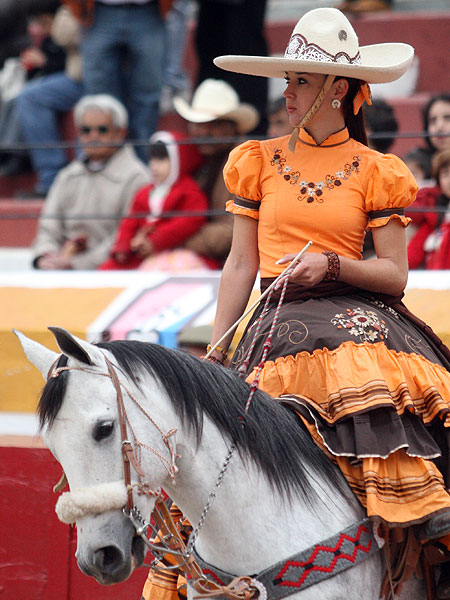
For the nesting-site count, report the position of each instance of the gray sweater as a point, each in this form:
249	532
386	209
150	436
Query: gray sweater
77	195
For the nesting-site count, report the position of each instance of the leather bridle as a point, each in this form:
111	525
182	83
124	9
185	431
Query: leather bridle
128	455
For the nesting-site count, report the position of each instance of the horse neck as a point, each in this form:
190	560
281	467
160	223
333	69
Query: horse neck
247	511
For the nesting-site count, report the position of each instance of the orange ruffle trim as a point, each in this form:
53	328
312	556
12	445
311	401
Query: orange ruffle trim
239	210
359	377
374	223
400	490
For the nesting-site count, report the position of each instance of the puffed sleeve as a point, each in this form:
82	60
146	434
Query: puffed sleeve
241	174
392	187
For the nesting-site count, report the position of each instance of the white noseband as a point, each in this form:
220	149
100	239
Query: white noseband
71	506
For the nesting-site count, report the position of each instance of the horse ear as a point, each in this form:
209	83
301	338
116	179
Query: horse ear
40	356
76	348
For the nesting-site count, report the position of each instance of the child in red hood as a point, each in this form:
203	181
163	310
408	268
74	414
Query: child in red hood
429	248
144	233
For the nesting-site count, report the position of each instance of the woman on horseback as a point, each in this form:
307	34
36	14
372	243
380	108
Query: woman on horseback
370	381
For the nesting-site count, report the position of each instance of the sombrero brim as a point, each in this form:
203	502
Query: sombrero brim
380	63
245	116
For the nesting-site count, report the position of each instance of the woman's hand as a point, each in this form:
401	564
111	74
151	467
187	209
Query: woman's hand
309	271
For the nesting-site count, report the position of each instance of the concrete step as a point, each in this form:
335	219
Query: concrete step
15	259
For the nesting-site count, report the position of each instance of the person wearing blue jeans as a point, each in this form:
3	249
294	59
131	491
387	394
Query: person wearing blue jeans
39	105
123	55
176	80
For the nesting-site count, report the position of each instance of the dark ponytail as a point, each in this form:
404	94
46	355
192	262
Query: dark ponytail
355	123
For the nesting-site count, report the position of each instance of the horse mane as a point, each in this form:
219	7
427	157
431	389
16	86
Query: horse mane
52	395
270	434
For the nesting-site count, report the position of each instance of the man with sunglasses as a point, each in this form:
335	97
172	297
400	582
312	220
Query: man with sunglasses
89	196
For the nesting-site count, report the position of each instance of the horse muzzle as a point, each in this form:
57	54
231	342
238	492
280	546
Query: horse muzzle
109	564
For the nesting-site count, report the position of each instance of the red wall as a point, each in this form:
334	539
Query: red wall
37	552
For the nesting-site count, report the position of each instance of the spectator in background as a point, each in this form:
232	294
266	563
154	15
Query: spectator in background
88	197
41	102
436	118
176	80
14	37
419	163
380	122
122	48
40	58
233	26
380	119
44	55
278	118
149	239
436	126
429	248
215	113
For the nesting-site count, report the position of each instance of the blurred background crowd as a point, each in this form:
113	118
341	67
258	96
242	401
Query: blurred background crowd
115	124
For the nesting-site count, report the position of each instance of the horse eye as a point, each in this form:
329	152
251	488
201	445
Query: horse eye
103	430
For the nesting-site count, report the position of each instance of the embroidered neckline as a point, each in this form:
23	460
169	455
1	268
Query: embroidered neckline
335	139
312	190
314	145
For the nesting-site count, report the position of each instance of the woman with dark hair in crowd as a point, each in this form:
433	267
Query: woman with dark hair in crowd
429	248
426	213
436	122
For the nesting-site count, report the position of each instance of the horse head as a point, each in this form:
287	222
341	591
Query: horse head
80	419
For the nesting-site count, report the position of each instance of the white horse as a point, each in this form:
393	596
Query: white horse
280	495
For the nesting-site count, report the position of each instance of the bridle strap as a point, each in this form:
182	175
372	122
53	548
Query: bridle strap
128	456
128	453
53	365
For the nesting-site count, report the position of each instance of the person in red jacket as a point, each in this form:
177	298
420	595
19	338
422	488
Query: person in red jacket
146	233
429	248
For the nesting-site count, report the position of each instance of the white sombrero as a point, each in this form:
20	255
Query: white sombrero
215	99
324	41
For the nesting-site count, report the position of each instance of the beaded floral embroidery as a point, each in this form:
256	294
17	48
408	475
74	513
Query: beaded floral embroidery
364	324
313	190
385	307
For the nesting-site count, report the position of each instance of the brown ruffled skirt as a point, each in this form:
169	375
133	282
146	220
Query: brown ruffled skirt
371	382
372	385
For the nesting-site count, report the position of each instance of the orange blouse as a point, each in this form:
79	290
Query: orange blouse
328	193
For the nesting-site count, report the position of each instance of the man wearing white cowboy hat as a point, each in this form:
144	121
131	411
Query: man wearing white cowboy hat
342	321
215	113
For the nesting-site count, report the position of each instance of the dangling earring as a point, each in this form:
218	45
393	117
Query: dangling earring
336	103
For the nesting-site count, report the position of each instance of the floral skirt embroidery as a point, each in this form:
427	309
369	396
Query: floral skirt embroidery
373	392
